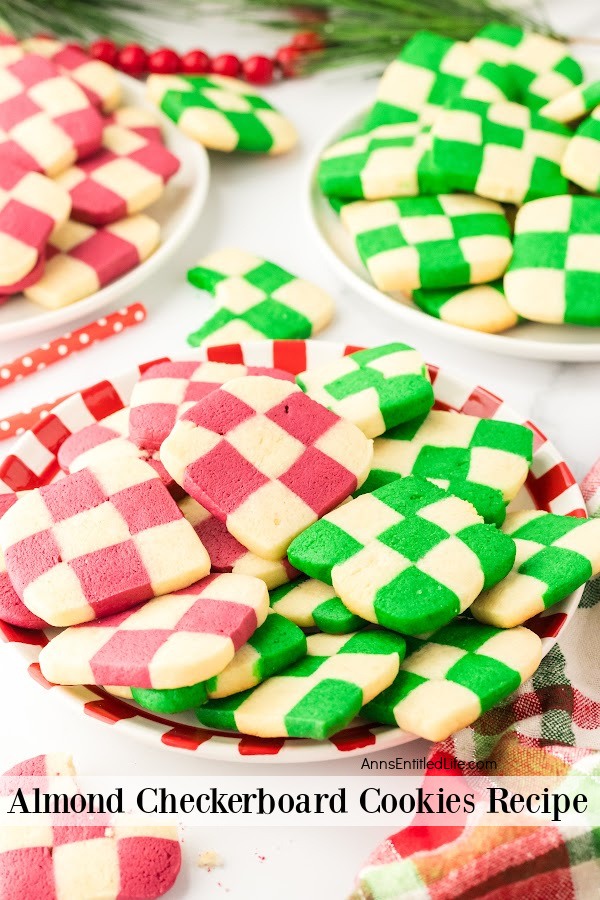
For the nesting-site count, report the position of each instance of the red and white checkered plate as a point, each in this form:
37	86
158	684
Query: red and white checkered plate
550	486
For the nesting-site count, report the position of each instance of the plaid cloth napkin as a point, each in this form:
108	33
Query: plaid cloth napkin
550	728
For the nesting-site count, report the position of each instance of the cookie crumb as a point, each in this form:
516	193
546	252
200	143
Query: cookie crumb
209	859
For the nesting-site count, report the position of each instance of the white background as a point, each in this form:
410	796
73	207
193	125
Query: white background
259	205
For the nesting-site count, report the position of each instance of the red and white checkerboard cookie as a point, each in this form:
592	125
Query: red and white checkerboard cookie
81	259
12	608
10	50
266	459
165	391
99	80
137	119
32	206
108	439
171	642
124	177
228	555
46	120
97	542
56	860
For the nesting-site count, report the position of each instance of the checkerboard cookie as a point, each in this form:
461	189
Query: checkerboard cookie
484	461
10	49
447	681
256	299
387	161
429	242
12	608
554	275
46	120
173	641
482	307
137	119
403	559
503	151
317	696
222	113
81	259
429	71
97	542
575	104
166	390
227	554
581	162
311	603
259	450
539	66
376	389
125	176
555	556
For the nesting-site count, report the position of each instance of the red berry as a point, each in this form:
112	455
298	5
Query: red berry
288	59
164	61
258	70
307	41
104	50
196	62
132	59
226	64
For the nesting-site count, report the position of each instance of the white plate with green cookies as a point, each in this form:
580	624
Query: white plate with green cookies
532	340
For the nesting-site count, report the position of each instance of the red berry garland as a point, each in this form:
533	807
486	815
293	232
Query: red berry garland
164	62
196	62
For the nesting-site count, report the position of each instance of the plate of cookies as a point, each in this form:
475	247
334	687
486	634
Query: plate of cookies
97	190
464	200
288	551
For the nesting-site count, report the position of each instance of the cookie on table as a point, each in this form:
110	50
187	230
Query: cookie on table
502	151
222	113
126	175
482	307
581	162
429	242
32	206
555	556
108	439
311	603
376	389
258	450
257	299
98	542
448	680
554	275
227	554
429	71
484	461
405	557
575	104
46	120
317	696
138	120
387	161
539	66
81	259
166	390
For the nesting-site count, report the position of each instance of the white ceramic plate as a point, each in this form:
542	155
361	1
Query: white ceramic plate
177	211
32	462
530	340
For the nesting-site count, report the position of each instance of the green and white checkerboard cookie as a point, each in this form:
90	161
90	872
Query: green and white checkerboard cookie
388	161
482	307
554	275
484	461
257	300
540	66
222	113
581	162
503	151
555	556
317	696
429	242
375	389
447	681
405	557
311	603
574	105
276	644
430	70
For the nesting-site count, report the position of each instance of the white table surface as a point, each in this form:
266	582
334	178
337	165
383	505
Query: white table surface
258	204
